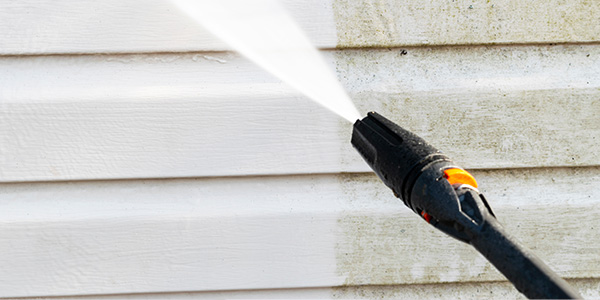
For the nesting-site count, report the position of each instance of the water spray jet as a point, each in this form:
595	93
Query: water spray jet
264	32
427	181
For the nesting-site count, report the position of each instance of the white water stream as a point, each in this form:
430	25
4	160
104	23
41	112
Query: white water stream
264	32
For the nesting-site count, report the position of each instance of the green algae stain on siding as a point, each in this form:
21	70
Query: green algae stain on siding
589	288
381	242
533	106
387	23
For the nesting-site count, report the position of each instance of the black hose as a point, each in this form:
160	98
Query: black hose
520	266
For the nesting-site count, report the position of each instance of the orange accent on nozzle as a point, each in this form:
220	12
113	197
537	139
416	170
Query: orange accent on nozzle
460	176
426	216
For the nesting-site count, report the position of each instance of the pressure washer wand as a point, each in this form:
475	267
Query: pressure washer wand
446	196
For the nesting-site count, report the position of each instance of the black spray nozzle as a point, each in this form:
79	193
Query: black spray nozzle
414	170
396	155
446	196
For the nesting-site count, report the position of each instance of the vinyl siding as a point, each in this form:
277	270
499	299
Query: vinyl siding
141	159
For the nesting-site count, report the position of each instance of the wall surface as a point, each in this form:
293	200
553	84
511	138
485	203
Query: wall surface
141	159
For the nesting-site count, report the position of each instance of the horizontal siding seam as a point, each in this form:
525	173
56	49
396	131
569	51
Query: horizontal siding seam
323	49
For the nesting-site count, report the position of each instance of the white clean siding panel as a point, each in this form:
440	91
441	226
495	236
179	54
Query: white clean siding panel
149	236
187	115
114	26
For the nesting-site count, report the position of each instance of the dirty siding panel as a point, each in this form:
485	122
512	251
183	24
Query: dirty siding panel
69	26
143	236
371	253
216	114
389	23
588	288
